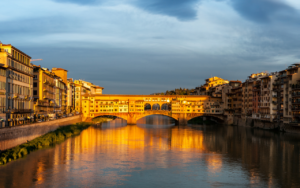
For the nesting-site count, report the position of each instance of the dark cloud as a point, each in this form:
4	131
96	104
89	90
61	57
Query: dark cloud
263	10
81	2
181	9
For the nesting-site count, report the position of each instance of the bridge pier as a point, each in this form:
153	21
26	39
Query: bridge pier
131	119
182	120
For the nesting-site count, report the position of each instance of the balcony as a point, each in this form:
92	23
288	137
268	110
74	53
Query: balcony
265	118
21	111
296	95
275	103
296	115
42	103
295	87
295	122
296	101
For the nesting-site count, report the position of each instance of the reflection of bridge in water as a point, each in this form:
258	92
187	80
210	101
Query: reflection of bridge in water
182	108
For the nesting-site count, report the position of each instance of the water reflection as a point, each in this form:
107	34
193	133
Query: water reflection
133	156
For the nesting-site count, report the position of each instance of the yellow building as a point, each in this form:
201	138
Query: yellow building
19	80
83	88
60	96
62	73
44	92
2	96
210	83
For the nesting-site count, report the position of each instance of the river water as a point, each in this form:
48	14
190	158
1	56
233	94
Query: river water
156	153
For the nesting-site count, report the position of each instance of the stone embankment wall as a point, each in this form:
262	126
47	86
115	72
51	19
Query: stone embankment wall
256	123
14	136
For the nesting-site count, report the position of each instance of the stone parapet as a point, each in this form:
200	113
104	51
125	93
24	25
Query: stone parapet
14	136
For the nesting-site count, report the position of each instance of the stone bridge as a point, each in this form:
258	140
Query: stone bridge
182	108
180	118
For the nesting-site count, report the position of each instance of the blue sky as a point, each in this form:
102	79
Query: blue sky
142	47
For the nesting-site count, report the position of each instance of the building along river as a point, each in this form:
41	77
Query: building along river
156	153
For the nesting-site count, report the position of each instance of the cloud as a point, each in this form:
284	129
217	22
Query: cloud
183	10
80	2
263	11
129	46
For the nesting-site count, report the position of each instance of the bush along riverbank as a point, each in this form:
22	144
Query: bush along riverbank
46	140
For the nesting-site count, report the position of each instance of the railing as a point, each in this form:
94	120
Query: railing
295	122
296	102
295	87
22	111
42	103
2	109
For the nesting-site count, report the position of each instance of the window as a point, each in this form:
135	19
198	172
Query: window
34	92
34	84
35	77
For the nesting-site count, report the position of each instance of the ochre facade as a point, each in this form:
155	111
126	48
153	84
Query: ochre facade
132	107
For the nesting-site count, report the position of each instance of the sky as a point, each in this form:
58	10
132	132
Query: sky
149	46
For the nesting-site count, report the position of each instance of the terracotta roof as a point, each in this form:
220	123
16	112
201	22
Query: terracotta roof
237	81
54	68
99	87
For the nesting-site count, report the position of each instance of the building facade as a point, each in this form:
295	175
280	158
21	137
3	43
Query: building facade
43	93
19	85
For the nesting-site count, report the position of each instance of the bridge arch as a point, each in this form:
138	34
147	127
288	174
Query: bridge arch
109	115
215	117
166	106
165	115
147	107
156	106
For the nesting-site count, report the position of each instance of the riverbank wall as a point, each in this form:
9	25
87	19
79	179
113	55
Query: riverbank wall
266	125
14	136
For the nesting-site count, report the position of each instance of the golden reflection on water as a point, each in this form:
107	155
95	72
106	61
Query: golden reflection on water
214	163
108	155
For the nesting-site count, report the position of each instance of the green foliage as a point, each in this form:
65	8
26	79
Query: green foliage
179	91
48	139
103	119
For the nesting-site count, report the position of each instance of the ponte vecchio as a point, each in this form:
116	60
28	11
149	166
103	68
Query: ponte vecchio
133	107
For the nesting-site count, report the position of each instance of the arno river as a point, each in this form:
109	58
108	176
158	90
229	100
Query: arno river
155	153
